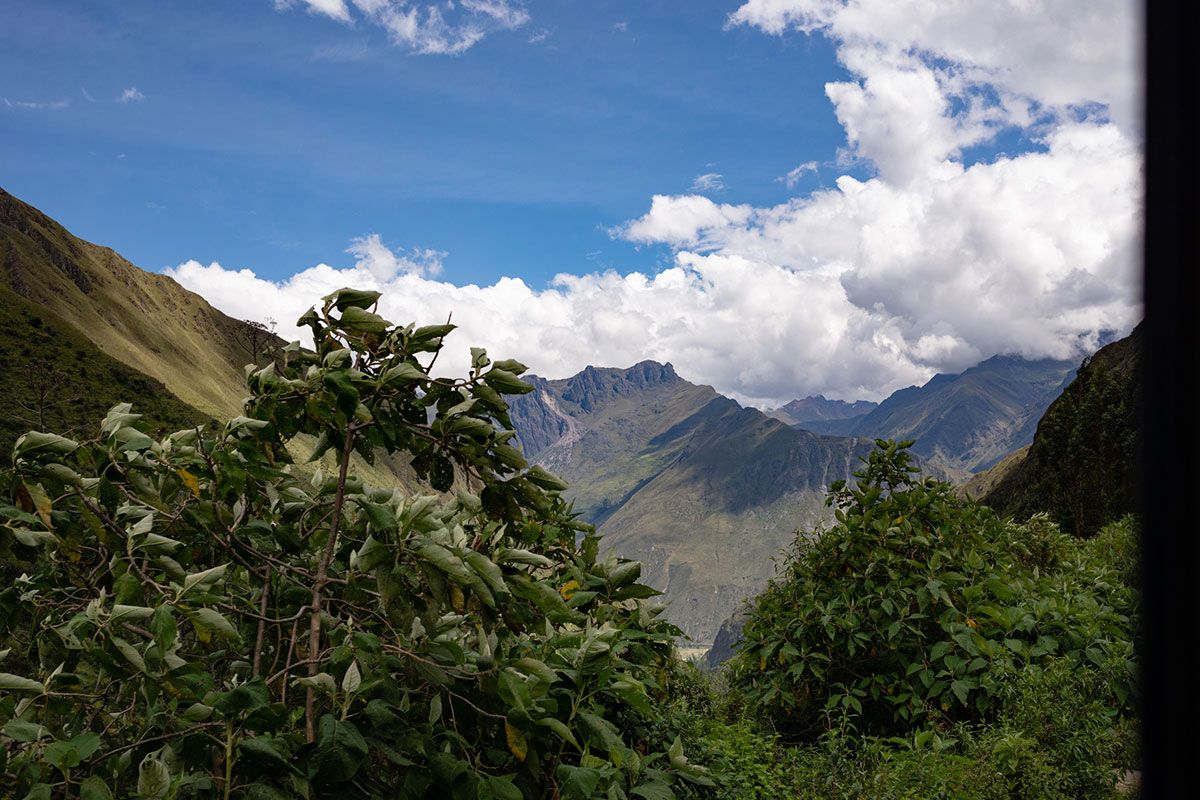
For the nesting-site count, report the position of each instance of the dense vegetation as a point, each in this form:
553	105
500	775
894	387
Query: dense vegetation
1081	466
923	645
193	617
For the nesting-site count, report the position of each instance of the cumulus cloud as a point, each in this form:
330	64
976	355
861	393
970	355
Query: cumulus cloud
1057	53
426	28
376	258
701	314
930	264
131	95
687	220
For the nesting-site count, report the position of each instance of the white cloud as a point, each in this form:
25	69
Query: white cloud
683	221
334	9
701	314
445	28
383	263
1059	53
1035	254
708	182
794	175
851	291
131	95
56	105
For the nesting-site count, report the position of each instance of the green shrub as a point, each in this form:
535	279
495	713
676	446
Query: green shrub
912	610
1073	717
199	618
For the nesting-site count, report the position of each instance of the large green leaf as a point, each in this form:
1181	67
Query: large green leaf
339	753
578	783
246	697
16	683
154	779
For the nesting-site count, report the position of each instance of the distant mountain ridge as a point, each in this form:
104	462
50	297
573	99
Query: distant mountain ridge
967	422
817	409
704	492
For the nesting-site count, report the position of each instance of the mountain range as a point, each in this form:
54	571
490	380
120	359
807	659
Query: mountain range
704	491
813	412
963	423
1079	467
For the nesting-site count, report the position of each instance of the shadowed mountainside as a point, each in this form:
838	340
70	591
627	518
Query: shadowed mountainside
1080	467
704	492
965	423
55	379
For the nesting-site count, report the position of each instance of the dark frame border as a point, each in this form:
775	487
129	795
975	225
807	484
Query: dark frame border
1170	404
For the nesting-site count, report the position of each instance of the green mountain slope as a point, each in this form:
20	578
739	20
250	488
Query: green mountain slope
1080	467
177	359
55	379
965	423
144	320
704	492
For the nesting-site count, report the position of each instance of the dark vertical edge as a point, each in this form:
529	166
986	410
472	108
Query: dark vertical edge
1170	405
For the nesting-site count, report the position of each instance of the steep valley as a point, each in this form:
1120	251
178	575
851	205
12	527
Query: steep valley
704	492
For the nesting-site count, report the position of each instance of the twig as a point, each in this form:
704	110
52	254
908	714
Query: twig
318	591
262	623
160	738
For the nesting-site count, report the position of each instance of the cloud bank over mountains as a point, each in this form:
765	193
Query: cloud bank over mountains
935	262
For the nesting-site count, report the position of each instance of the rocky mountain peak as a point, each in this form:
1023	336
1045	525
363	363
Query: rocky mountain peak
595	386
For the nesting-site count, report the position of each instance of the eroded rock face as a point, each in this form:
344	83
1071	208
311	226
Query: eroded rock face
729	635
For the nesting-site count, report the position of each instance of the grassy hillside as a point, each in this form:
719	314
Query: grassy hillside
1080	467
166	350
55	379
144	320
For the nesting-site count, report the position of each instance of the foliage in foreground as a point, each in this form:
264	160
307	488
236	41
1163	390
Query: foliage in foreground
916	609
1056	730
193	617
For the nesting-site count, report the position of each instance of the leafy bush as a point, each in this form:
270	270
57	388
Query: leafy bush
916	606
198	617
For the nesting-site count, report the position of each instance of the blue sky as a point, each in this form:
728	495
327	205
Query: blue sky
269	139
781	197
